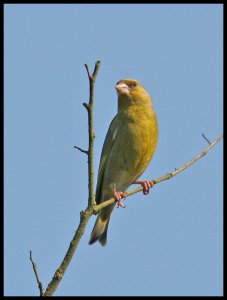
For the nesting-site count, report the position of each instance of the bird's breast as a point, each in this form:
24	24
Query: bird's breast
140	138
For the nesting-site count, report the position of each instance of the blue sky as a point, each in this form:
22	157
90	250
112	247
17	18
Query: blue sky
167	243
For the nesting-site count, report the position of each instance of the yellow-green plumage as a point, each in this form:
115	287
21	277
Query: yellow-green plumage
128	148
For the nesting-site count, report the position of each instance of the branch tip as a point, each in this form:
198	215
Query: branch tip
87	69
203	135
97	65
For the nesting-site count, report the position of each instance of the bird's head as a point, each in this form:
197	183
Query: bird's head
131	92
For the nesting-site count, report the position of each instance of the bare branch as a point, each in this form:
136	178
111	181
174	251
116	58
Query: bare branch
59	273
84	215
164	177
34	266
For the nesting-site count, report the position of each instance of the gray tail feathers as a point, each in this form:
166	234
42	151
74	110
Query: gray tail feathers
99	232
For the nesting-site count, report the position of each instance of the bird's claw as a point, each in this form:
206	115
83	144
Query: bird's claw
118	196
146	184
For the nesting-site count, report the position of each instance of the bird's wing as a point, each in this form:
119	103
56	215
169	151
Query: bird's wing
107	146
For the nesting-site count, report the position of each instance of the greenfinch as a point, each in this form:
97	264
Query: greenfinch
128	148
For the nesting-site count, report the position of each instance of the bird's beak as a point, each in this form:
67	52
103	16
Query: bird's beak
122	88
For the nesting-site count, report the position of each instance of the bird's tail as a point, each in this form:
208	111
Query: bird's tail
99	232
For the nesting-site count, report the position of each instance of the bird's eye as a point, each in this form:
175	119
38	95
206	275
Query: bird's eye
118	82
132	84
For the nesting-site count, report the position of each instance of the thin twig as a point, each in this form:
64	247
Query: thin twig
91	132
34	266
162	178
81	150
203	135
87	69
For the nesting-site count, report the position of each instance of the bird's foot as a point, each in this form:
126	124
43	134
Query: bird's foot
146	185
118	196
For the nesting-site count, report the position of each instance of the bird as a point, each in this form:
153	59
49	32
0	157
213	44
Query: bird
128	148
